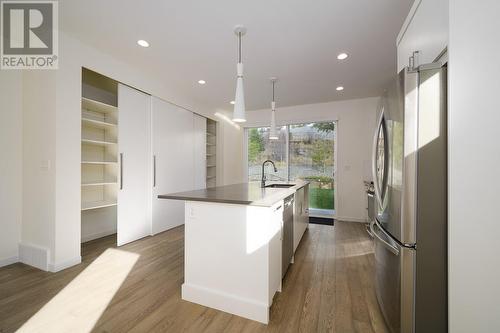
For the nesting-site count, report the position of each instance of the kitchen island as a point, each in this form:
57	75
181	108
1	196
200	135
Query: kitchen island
234	236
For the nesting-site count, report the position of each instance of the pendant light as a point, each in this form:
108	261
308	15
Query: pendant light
239	100
273	135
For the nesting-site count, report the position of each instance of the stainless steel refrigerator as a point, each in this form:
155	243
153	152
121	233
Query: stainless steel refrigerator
410	177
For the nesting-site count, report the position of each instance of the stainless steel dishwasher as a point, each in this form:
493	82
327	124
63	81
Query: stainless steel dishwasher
287	240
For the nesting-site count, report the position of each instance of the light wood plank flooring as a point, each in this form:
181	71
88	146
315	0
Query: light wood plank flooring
328	289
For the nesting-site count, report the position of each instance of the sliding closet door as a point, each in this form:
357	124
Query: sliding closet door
173	153
134	144
200	152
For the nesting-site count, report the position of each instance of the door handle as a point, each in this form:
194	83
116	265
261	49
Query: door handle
374	158
121	171
389	246
154	170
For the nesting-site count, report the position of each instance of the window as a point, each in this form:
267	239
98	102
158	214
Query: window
260	148
303	151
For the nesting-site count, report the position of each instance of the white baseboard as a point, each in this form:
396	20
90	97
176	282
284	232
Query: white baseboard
87	238
8	261
34	255
164	228
225	302
56	267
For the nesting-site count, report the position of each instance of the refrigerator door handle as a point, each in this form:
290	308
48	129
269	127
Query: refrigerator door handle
374	158
389	246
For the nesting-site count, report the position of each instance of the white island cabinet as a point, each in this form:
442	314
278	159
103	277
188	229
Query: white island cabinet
233	246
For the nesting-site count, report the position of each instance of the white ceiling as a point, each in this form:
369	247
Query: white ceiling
295	40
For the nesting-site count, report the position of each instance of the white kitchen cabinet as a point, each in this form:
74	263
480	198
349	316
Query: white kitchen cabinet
424	30
178	156
134	137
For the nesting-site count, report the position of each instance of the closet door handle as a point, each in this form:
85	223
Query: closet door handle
154	170
121	171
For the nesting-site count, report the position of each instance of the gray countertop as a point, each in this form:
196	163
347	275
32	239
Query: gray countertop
242	194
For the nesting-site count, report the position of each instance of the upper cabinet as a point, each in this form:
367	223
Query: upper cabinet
424	30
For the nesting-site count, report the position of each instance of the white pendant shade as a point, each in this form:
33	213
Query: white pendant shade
239	99
273	134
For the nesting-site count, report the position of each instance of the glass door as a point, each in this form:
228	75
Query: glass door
312	158
303	151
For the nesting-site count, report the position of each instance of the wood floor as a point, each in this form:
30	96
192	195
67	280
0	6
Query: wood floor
328	289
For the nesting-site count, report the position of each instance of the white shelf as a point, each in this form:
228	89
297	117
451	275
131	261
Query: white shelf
98	123
210	166
100	162
210	144
100	183
98	204
92	105
97	142
210	155
210	177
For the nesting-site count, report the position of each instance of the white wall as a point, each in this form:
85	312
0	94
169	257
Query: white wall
474	160
39	152
11	149
356	126
230	156
424	30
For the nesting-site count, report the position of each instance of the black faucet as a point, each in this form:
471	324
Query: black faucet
263	181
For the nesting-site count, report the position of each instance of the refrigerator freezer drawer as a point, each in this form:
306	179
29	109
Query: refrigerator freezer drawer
394	280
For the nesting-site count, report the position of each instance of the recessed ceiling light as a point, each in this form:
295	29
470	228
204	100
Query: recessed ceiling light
342	56
143	43
340	88
201	82
232	102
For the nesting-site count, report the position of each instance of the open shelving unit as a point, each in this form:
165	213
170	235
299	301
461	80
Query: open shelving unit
101	124
97	142
98	204
100	182
211	153
99	155
100	162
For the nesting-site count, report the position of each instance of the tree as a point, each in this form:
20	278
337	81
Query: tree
325	127
321	154
255	144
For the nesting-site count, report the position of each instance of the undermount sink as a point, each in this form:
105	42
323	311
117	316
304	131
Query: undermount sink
280	185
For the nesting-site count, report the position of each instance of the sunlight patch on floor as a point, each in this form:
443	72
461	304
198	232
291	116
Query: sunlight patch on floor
357	248
78	306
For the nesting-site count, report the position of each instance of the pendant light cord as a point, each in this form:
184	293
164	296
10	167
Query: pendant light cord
273	91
